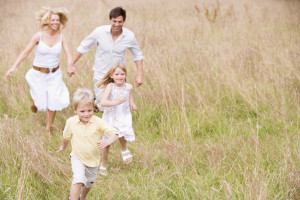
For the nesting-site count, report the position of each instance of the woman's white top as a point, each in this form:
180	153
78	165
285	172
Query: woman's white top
46	56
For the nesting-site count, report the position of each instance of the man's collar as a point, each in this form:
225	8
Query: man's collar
108	29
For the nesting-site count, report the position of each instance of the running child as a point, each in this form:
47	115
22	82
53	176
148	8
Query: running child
85	130
117	101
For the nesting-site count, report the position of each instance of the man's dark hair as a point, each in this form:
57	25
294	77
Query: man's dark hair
116	12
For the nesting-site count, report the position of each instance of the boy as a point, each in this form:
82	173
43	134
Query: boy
84	130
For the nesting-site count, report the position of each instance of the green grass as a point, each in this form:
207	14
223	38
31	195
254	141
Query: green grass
218	113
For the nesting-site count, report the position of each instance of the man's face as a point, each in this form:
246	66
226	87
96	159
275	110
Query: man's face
116	25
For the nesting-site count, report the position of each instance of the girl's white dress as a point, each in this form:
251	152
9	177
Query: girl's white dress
47	90
120	116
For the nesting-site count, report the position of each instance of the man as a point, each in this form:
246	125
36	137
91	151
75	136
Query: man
111	41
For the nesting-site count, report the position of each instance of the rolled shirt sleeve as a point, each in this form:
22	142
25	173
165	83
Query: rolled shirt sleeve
109	51
88	43
135	50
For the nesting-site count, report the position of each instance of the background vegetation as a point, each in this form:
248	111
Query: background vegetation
218	113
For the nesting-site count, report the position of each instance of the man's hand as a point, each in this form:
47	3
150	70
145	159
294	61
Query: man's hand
139	81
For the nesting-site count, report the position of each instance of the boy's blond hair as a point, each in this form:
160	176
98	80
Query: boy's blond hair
83	96
43	16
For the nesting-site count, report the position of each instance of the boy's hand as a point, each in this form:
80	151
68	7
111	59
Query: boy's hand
60	149
102	144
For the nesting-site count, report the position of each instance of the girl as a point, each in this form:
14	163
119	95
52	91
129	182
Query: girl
117	101
47	89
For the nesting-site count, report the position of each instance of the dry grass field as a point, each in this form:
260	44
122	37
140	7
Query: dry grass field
218	114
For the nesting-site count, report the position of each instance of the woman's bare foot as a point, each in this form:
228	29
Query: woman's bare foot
48	128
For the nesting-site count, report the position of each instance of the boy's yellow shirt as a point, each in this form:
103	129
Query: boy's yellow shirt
84	138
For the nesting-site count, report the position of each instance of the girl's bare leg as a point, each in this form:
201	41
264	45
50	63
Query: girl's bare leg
123	143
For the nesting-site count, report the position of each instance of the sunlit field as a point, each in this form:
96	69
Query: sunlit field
218	113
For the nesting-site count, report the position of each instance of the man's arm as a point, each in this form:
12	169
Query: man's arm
139	78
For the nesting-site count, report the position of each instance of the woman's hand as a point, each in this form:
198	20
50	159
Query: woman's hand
10	72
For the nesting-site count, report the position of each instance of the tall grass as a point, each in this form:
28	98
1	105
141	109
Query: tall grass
218	113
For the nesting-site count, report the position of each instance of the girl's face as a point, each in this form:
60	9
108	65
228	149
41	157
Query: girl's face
54	22
118	76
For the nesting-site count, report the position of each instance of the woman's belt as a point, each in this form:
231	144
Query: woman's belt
45	70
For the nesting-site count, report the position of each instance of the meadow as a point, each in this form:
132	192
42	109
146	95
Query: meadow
218	113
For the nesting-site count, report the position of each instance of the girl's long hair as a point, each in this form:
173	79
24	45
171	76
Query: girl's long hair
107	79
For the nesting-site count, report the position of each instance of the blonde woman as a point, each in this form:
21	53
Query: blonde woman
48	91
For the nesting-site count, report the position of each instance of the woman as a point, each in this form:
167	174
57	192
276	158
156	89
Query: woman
48	91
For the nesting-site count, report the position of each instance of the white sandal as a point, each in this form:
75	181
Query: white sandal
103	171
126	155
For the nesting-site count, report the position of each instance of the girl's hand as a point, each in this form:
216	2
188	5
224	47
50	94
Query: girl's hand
10	72
133	107
121	100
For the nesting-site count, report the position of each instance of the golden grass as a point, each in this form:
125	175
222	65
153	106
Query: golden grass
218	113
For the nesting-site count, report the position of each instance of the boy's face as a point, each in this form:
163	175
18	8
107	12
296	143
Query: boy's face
84	112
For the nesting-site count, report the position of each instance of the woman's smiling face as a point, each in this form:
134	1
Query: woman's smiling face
54	22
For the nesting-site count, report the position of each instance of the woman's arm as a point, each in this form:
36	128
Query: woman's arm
70	69
66	49
34	41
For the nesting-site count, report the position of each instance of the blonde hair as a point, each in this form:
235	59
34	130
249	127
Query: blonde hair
44	15
83	96
107	79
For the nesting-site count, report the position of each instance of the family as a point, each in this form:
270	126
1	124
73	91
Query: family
88	133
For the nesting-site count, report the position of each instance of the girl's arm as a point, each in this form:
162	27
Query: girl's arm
105	102
131	103
34	41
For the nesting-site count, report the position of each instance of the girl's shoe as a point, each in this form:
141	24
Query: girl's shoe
103	171
127	157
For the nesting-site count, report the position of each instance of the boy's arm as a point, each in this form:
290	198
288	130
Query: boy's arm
102	144
63	146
